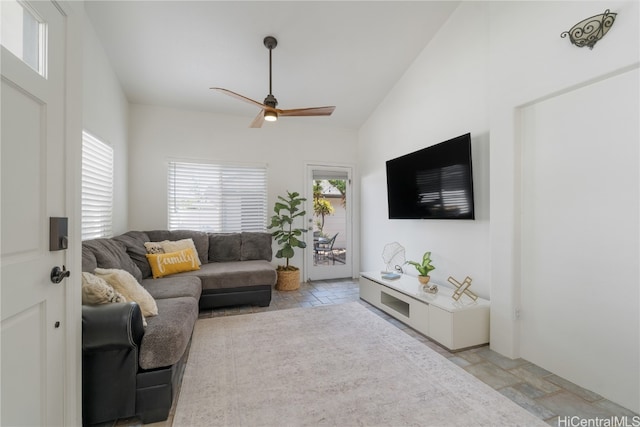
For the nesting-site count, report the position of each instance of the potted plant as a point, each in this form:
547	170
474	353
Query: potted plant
288	237
424	268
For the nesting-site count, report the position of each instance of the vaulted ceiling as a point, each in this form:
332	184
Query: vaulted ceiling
347	54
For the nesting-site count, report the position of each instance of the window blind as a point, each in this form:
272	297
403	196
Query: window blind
97	188
217	198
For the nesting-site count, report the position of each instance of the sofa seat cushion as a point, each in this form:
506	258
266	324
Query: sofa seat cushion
167	335
235	274
172	287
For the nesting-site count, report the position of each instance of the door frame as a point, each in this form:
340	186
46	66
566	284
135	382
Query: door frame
350	213
74	75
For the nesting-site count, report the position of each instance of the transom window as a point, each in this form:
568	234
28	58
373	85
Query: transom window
217	197
24	34
97	188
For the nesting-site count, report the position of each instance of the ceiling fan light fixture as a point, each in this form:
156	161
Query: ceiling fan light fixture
270	116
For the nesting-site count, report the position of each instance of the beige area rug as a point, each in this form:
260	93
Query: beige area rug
337	365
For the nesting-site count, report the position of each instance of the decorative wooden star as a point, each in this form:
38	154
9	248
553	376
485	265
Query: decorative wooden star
462	288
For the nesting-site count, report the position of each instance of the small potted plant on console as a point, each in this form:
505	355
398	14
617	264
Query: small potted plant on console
286	211
424	268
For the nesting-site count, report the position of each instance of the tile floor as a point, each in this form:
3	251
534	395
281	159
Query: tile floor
547	396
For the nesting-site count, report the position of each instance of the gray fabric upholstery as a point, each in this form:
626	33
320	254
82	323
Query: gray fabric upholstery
167	334
112	254
255	246
172	287
224	247
216	275
158	235
200	240
89	262
134	244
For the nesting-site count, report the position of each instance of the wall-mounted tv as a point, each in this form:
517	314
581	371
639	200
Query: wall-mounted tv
433	183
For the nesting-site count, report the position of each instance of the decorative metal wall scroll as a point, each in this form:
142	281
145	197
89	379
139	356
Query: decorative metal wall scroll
589	31
462	288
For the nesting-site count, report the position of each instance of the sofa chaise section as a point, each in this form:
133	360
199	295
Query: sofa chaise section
132	370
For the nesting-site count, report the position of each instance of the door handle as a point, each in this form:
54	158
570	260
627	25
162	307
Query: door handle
59	274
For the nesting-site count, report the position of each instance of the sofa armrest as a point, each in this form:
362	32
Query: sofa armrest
111	326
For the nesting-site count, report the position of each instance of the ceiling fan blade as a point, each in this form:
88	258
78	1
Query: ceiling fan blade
315	111
258	121
240	97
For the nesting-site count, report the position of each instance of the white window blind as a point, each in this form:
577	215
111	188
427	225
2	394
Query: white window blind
217	198
97	188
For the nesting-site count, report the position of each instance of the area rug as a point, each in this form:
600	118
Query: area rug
337	365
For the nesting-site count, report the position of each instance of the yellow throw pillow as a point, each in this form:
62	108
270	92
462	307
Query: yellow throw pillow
173	262
167	246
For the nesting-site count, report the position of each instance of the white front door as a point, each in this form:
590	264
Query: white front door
329	237
33	190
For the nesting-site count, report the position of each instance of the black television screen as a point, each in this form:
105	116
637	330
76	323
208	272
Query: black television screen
433	183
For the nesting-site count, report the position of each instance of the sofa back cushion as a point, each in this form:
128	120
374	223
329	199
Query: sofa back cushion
224	247
200	239
110	253
134	245
89	262
255	246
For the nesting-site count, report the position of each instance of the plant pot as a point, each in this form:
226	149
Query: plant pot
424	279
288	280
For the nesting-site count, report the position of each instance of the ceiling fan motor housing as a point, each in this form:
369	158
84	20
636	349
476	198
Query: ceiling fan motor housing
271	101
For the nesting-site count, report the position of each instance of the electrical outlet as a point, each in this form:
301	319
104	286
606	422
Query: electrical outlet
517	313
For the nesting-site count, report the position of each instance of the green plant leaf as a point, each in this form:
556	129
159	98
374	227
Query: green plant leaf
287	251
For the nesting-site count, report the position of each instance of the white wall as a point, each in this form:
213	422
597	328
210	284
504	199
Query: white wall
105	110
159	134
529	63
486	63
577	211
443	95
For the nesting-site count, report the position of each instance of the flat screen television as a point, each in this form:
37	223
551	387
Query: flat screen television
433	183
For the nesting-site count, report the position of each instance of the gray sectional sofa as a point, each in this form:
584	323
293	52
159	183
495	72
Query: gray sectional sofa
132	370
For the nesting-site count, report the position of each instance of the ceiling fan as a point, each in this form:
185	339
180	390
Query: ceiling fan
268	110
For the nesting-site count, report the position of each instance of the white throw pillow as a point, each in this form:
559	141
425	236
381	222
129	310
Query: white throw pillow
96	290
123	282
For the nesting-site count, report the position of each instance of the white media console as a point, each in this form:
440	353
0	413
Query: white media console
453	324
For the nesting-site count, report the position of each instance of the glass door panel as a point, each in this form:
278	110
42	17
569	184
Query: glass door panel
329	223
